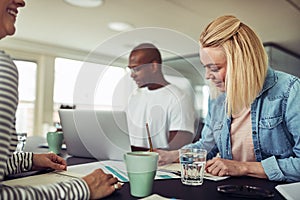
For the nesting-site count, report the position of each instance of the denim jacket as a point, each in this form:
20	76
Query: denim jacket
275	119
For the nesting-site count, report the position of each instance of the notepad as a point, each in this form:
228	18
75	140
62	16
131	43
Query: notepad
116	168
43	179
175	168
290	191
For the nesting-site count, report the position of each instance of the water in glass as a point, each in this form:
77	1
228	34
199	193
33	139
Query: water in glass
192	166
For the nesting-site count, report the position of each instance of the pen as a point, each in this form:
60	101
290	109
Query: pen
149	138
178	173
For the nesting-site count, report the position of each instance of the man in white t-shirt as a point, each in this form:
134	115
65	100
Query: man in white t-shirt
168	111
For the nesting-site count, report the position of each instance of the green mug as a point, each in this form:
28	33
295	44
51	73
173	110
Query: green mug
141	169
55	140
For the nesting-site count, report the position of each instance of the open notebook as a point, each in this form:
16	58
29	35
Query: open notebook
116	168
175	169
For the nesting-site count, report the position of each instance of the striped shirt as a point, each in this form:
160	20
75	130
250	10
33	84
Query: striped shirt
13	163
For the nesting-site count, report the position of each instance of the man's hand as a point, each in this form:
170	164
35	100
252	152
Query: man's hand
167	157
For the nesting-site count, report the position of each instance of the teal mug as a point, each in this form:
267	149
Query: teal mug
141	169
55	140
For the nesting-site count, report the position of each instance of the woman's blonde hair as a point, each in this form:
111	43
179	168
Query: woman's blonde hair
247	61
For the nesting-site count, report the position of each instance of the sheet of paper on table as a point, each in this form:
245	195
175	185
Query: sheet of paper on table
42	179
157	197
290	191
116	168
175	168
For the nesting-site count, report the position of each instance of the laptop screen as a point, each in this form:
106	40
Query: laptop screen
95	133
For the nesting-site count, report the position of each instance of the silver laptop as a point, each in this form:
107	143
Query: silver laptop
95	133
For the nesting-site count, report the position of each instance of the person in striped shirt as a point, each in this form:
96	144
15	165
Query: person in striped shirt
93	186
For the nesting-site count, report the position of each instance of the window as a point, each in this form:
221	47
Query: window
202	96
66	72
27	93
69	74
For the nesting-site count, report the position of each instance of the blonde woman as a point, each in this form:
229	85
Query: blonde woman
253	123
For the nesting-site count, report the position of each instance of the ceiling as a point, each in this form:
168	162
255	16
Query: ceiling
85	29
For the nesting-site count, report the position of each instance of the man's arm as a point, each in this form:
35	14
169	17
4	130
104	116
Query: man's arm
177	139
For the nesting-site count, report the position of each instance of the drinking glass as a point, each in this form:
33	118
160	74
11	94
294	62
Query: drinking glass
192	163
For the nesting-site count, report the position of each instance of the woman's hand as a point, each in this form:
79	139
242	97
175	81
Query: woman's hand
101	184
167	157
223	167
48	160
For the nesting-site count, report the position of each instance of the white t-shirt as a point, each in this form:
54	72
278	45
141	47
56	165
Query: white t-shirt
164	109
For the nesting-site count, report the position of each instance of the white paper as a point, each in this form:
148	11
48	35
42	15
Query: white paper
290	191
175	168
42	179
116	168
156	197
